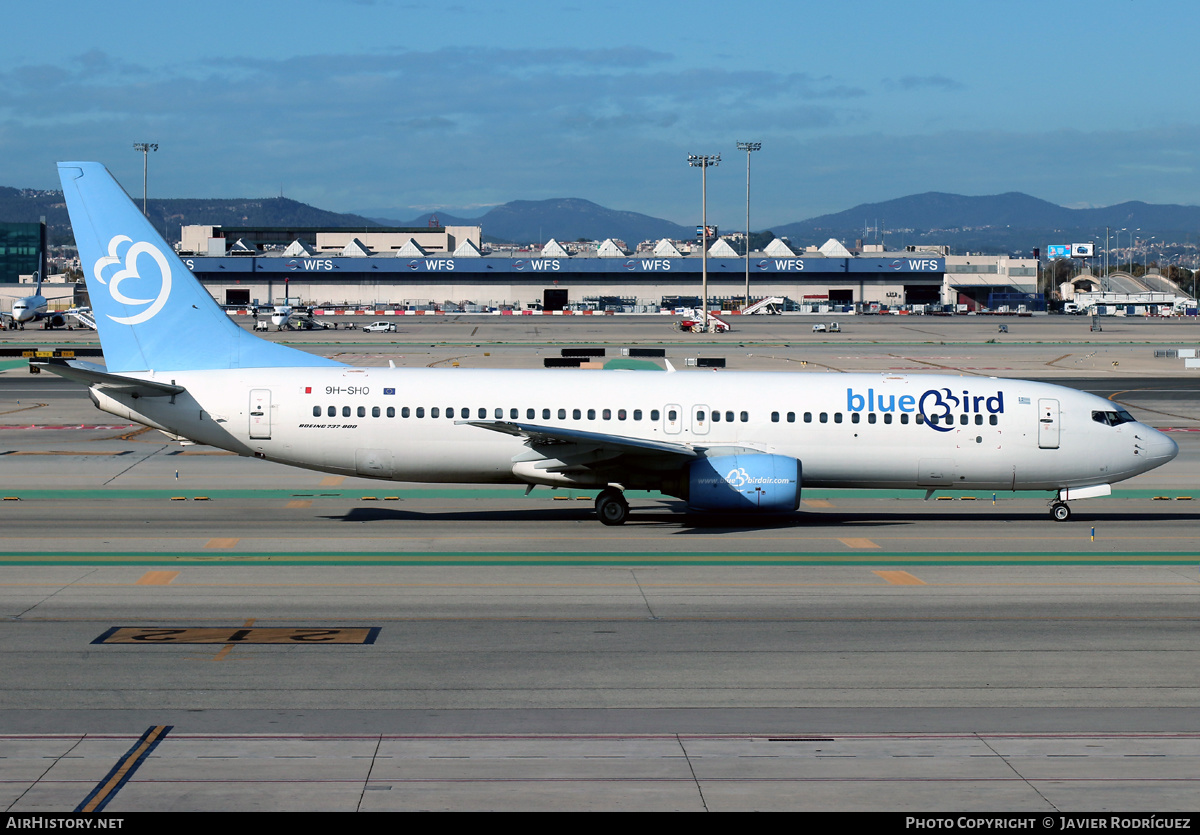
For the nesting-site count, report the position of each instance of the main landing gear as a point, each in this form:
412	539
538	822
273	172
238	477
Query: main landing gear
611	507
1059	511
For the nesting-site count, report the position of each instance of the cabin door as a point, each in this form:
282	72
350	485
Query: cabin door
1048	423
260	413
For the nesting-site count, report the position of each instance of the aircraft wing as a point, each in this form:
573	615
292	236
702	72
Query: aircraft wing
98	375
542	436
560	442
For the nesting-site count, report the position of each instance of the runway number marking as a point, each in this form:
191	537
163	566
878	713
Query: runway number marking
149	635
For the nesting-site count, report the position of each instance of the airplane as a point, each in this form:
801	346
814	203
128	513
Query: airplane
735	443
34	309
281	316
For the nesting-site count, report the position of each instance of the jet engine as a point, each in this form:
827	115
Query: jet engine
744	483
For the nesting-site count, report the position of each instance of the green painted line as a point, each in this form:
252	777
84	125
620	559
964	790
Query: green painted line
7	364
632	364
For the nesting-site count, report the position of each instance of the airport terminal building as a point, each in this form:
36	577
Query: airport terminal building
423	268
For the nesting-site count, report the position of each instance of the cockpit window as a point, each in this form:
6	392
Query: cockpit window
1112	418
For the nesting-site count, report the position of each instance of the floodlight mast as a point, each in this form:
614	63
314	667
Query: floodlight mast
748	147
145	148
704	162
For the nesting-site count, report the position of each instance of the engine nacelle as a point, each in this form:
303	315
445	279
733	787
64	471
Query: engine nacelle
751	482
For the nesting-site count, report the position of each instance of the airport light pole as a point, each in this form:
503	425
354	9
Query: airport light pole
145	148
748	147
704	162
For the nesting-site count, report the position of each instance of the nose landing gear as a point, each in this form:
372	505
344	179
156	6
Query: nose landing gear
1059	511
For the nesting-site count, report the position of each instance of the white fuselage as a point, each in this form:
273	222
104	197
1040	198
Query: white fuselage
29	309
847	430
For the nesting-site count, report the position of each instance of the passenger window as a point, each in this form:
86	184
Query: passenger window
529	414
620	414
791	417
904	418
391	411
654	415
562	414
512	414
403	412
449	412
591	414
545	414
808	417
345	411
964	419
433	412
420	411
855	417
774	417
672	415
871	418
576	414
887	418
745	417
316	411
919	419
362	411
933	419
992	420
716	417
332	411
824	417
837	417
606	414
729	417
979	420
637	414
374	411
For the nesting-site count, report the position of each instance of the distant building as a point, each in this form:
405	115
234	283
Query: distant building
21	248
216	241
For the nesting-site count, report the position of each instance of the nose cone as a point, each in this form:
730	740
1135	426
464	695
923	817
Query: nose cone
1159	448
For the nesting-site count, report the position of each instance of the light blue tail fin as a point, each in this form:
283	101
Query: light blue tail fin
151	312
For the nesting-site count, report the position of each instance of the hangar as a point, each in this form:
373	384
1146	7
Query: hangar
400	268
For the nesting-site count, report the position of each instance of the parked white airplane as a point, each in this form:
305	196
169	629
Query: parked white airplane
281	316
736	442
34	308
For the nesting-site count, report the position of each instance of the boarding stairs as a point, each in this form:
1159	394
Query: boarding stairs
770	304
83	315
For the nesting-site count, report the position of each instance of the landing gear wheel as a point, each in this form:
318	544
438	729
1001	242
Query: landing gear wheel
611	507
1059	512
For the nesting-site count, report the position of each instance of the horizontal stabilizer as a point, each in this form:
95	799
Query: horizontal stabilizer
97	375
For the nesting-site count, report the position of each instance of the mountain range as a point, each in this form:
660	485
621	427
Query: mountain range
563	218
1003	223
995	223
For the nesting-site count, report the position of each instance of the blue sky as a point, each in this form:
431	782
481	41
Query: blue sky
358	104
